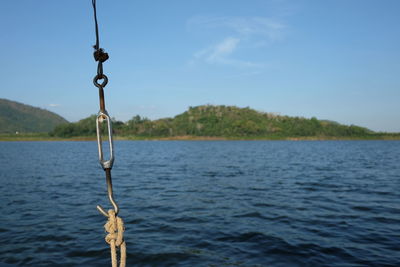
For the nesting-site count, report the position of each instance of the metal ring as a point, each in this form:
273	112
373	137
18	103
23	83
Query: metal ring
100	77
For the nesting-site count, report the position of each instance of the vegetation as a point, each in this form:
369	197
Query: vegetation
227	122
19	118
85	127
22	122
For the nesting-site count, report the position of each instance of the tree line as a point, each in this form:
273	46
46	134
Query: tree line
217	121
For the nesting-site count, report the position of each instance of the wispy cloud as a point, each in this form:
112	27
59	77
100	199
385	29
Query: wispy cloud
54	105
220	54
246	32
244	26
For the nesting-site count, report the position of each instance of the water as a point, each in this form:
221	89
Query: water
218	203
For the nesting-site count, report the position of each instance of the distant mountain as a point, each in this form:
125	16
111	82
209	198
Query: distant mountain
18	117
220	121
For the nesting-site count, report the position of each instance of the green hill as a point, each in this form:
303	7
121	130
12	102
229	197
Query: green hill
220	121
17	117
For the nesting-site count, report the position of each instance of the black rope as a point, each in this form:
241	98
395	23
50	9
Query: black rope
97	45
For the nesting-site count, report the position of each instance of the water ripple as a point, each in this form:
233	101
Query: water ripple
204	203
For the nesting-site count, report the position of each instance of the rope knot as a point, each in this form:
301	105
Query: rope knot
100	55
115	237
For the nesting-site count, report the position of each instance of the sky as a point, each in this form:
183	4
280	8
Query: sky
334	59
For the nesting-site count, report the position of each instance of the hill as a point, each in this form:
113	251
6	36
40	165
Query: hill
219	121
17	117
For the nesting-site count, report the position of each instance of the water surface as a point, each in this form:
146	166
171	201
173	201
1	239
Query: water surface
204	203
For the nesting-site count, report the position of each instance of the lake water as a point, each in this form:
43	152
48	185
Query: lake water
204	203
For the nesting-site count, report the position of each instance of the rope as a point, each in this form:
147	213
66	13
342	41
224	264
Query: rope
97	45
115	238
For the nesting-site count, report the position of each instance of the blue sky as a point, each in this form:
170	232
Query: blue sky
333	59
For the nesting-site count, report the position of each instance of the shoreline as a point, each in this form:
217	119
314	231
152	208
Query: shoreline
43	137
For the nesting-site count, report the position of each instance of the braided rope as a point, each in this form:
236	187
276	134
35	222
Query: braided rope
115	238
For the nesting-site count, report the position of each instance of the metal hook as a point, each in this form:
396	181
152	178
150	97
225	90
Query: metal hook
110	194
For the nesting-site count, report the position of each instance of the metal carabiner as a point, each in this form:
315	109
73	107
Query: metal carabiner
103	115
106	164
